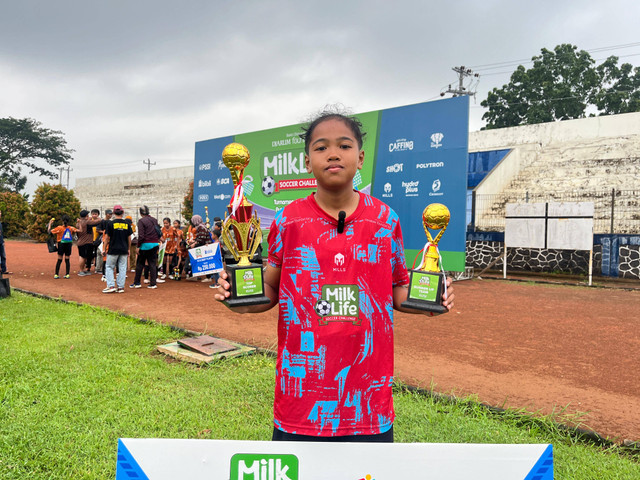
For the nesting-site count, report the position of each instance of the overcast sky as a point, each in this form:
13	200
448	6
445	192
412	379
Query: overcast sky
136	80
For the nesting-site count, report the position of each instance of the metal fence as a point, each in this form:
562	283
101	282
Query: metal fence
616	211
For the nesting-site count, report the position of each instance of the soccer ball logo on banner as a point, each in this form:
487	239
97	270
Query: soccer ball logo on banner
268	186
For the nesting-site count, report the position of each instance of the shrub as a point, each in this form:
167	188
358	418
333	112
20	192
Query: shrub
14	209
51	201
187	205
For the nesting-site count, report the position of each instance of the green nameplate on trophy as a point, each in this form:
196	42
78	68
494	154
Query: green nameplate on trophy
247	286
425	291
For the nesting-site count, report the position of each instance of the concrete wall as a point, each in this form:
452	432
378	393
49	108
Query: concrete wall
584	158
161	190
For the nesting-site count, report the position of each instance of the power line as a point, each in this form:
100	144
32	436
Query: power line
508	63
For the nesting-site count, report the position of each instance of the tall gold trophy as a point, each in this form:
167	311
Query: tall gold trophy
427	282
242	235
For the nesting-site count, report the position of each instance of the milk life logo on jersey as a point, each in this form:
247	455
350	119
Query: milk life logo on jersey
339	303
246	466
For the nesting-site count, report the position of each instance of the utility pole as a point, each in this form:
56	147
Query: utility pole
148	163
68	171
463	73
62	169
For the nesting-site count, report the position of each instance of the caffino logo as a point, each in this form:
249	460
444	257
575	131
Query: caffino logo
436	140
435	188
223	181
387	191
204	183
203	198
401	145
395	168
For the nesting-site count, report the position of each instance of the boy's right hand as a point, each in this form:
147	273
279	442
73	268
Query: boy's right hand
224	286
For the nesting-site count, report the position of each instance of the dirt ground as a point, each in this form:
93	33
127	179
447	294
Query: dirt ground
535	346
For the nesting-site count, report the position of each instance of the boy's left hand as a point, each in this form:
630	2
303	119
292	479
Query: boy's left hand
447	300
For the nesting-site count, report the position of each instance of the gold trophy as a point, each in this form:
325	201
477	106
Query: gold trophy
428	280
242	235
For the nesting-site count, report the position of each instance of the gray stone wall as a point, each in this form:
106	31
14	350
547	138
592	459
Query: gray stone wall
576	262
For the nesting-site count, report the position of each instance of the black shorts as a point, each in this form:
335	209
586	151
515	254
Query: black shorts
64	249
86	250
280	436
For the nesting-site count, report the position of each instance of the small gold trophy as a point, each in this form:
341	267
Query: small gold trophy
242	235
428	280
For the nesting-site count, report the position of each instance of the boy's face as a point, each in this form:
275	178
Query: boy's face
166	223
334	155
95	215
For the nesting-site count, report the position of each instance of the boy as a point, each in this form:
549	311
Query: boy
334	371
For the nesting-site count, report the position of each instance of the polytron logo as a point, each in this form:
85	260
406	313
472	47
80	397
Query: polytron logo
247	466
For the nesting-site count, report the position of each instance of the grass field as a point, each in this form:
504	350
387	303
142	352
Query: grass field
74	379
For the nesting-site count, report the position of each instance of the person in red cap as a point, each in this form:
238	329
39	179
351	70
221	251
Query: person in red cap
117	239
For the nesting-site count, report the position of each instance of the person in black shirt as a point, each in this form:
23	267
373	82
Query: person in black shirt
117	239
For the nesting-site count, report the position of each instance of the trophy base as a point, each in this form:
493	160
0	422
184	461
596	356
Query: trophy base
425	291
247	286
424	306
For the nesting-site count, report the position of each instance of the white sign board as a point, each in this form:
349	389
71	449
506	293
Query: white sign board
159	459
558	226
570	226
525	225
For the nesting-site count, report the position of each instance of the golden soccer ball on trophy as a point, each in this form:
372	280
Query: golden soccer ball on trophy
235	156
435	216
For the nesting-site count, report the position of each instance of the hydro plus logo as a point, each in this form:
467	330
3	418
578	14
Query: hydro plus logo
339	303
263	467
411	189
401	145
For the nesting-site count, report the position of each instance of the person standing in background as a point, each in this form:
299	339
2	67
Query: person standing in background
3	255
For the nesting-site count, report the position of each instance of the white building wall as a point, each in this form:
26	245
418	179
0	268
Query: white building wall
161	190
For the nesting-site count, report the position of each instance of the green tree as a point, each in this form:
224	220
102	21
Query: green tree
187	204
26	143
620	87
14	209
559	86
51	201
12	181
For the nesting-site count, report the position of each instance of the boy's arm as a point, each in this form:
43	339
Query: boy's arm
271	290
400	293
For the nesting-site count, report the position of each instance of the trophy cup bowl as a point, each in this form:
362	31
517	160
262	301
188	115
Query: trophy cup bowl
427	281
242	235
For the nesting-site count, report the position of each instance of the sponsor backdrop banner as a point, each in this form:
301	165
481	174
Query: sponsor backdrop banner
414	155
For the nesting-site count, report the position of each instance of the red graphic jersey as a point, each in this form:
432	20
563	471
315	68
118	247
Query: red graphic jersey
335	327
